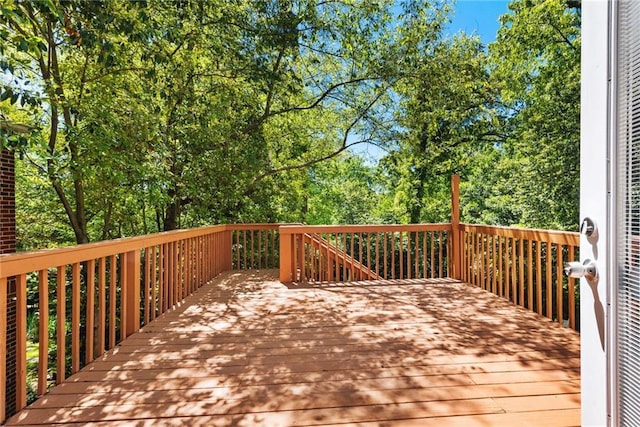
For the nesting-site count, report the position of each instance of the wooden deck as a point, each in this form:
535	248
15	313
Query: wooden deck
246	350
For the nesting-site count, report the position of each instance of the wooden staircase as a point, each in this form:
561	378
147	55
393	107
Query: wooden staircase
326	262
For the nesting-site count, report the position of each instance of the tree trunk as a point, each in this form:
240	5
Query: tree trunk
171	217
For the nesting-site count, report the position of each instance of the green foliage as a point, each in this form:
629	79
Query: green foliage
341	192
536	58
133	117
446	118
507	121
158	115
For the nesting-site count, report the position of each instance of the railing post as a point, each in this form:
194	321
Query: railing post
456	235
131	288
286	256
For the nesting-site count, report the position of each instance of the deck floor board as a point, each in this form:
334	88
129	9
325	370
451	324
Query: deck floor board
246	350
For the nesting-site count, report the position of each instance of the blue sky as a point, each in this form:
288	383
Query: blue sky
478	16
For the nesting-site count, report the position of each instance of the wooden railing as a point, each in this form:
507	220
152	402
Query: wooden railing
255	246
363	252
524	266
320	254
107	290
91	297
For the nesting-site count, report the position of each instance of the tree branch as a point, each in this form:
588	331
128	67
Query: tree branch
254	125
118	71
331	155
563	36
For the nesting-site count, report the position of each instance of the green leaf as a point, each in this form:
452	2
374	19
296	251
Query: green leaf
6	94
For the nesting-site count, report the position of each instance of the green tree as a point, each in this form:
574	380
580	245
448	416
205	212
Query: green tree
64	57
445	120
536	57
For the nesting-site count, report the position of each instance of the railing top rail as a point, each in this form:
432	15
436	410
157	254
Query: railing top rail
25	262
258	227
368	228
552	236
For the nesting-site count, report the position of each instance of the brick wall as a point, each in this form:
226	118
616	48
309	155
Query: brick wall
7	245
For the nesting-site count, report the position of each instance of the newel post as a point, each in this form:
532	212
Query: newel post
286	255
131	290
456	233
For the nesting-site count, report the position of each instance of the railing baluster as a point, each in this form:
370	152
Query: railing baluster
112	301
21	341
75	317
180	272
259	249
344	261
530	274
252	251
385	256
473	264
43	330
198	260
353	256
168	283
192	265
207	268
478	260
123	298
90	316
102	305
539	282
483	275
188	281
162	278
401	252
514	283
559	279
500	267
327	264
496	269
487	257
300	261
61	298
393	254
572	293
468	241
521	272
432	244
368	249
377	255
440	272
244	249
424	255
172	282
187	268
408	255
508	267
549	293
420	254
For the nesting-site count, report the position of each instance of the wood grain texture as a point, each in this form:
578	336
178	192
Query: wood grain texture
247	350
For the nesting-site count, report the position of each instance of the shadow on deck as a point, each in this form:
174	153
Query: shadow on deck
248	350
